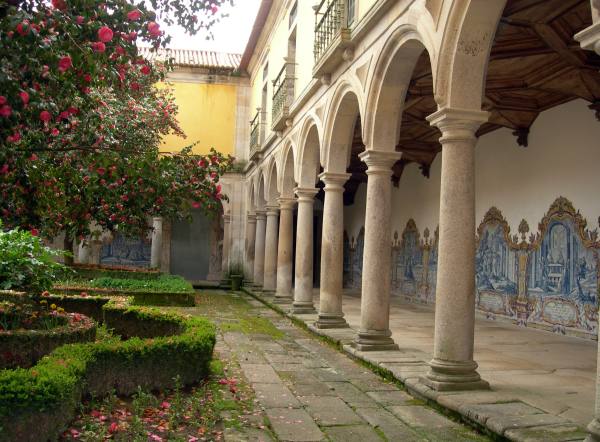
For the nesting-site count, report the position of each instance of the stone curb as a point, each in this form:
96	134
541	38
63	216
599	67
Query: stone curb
503	416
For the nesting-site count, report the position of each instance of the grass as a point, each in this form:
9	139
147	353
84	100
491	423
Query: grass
232	313
161	284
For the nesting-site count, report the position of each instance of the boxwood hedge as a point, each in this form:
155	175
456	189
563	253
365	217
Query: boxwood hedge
38	403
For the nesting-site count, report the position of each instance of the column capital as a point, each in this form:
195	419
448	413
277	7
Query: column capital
251	217
589	38
306	194
260	214
457	124
334	181
272	210
286	203
379	161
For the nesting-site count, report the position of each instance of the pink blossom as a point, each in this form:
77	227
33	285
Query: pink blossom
45	116
65	63
154	29
14	138
98	46
3	100
34	232
134	15
145	69
80	19
33	157
24	97
4	169
105	34
5	111
196	205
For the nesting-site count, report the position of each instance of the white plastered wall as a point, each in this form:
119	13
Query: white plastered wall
562	159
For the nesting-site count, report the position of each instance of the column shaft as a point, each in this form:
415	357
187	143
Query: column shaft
226	241
271	240
374	333
285	250
157	240
303	290
250	245
452	366
259	248
332	253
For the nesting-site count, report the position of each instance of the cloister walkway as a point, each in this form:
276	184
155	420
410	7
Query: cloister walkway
544	370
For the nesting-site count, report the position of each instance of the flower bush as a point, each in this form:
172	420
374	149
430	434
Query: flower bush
81	118
26	263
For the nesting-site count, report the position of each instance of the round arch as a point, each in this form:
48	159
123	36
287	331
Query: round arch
286	172
389	84
309	153
270	173
342	115
465	51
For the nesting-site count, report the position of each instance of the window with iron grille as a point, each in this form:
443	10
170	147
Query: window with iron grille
293	13
350	10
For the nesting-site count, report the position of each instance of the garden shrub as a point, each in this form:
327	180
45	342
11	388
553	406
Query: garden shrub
27	334
26	263
91	271
38	403
166	290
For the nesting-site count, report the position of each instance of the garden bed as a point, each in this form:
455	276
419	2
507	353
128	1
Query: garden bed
90	271
22	347
166	290
38	403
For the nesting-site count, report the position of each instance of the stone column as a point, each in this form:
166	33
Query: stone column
452	366
226	242
332	252
374	332
303	290
285	250
250	239
84	251
271	239
590	40
259	248
157	242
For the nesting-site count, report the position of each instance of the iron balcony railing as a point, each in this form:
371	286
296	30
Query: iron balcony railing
255	133
282	93
330	18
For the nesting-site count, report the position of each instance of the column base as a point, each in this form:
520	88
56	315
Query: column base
374	340
453	376
303	308
331	321
594	430
283	299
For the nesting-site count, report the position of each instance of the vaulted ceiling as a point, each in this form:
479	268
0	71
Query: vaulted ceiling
535	64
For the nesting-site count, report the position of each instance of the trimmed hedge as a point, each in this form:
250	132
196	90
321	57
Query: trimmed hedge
85	271
89	306
23	348
140	297
38	403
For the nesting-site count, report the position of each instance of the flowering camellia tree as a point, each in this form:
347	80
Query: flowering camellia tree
81	118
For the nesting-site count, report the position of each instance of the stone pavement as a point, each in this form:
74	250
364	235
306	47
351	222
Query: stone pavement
309	391
543	384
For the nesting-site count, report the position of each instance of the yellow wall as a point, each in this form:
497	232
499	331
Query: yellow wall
207	113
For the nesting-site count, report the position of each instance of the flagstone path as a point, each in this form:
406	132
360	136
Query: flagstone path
306	390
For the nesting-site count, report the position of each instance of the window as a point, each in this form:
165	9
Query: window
351	10
293	13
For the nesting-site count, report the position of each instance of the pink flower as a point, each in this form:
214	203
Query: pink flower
105	34
24	97
165	405
65	63
98	46
5	111
33	157
214	9
59	4
145	69
134	15
132	36
101	171
45	116
201	163
34	232
154	29
113	428
14	138
87	78
23	28
196	205
3	100
80	19
54	132
4	169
